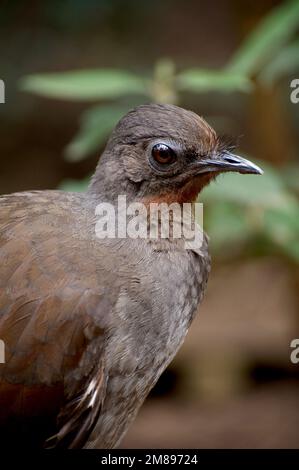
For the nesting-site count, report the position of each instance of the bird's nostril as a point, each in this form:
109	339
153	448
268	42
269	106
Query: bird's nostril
231	160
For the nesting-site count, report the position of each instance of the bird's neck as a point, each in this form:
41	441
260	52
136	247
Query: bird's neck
109	182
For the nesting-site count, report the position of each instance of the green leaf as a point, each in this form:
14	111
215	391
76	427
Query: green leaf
285	63
292	250
200	80
85	84
96	125
225	223
290	176
72	185
267	39
282	227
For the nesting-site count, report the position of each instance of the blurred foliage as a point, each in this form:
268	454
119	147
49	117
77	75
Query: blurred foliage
91	135
199	81
267	40
255	213
86	84
265	55
264	210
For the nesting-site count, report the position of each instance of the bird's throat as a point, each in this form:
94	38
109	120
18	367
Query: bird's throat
187	193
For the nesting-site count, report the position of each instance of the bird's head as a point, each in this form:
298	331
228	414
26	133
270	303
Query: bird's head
163	153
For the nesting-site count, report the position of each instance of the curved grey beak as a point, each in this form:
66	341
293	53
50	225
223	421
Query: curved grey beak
228	162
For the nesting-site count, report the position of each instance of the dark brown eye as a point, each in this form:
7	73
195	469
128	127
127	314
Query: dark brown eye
163	154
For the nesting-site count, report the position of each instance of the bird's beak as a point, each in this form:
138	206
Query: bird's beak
228	162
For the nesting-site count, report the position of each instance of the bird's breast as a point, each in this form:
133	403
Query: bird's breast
152	316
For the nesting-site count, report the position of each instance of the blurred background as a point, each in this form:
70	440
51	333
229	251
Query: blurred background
71	69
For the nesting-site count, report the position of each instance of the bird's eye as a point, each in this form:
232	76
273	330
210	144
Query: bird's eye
163	154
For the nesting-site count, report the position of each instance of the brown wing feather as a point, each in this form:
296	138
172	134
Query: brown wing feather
66	357
78	417
51	321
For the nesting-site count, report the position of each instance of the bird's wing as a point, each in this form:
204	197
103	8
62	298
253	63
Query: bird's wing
51	322
84	387
54	350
